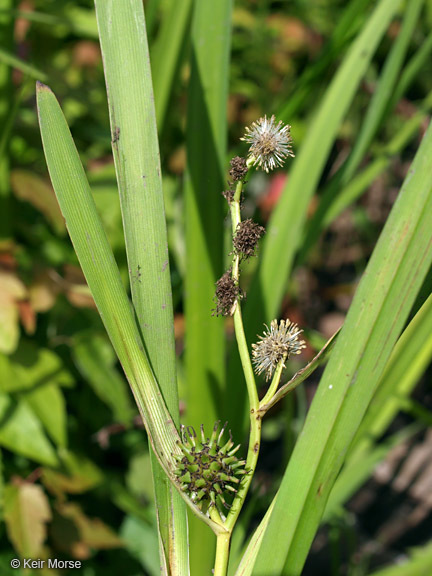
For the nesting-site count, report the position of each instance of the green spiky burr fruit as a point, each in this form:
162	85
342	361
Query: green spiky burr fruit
208	470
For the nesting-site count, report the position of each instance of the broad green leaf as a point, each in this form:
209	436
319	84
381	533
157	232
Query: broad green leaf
77	475
48	404
204	358
27	512
73	532
408	361
125	52
141	540
95	358
12	290
379	310
22	433
99	267
31	366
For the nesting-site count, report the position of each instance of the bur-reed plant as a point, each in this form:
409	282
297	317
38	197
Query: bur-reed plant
201	467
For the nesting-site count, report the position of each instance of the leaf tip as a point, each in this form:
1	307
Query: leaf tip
40	87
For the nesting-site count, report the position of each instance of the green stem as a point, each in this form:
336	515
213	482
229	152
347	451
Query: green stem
251	462
222	554
223	539
274	383
255	417
238	321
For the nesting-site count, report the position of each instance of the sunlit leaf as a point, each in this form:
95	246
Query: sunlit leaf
27	512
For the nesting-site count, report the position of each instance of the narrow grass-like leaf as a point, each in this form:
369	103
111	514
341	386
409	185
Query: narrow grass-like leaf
343	190
125	53
166	52
346	27
284	231
420	59
282	238
410	358
302	374
206	145
333	202
18	64
357	472
379	310
384	89
249	557
99	267
79	21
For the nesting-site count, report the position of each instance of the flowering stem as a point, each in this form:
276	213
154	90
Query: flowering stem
238	321
251	462
274	383
255	418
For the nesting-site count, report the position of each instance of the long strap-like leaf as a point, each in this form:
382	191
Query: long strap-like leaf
103	277
125	53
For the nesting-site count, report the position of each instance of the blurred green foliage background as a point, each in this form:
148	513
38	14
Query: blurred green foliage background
75	470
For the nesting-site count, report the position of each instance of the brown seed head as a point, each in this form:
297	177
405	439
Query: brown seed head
228	194
246	238
227	292
239	169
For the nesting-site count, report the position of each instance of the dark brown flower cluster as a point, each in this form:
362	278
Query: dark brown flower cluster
246	238
239	169
237	173
226	295
228	195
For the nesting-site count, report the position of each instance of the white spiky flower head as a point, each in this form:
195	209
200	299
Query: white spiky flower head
270	143
278	343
